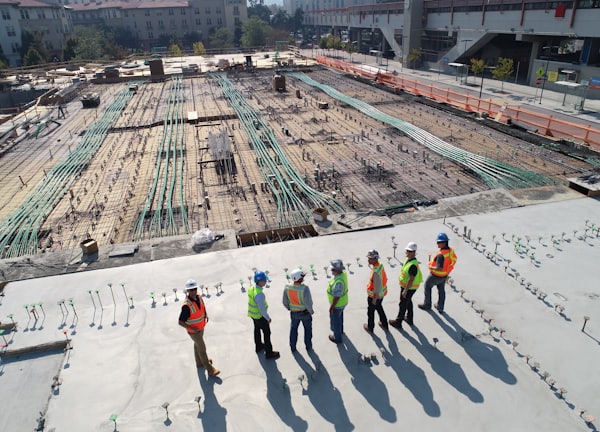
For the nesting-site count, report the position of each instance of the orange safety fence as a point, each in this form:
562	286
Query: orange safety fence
543	124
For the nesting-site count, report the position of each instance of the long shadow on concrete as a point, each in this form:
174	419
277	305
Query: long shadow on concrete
409	374
366	382
319	388
441	364
214	415
278	395
486	356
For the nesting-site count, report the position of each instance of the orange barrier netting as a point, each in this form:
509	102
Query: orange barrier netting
542	124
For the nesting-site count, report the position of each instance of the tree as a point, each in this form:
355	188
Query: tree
221	38
477	65
33	57
414	57
503	70
70	49
175	51
298	19
280	20
254	32
89	43
34	40
260	11
199	48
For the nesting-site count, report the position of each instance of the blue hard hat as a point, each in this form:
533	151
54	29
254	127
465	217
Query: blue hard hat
442	237
260	276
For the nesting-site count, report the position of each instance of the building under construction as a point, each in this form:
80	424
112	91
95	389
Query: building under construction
233	150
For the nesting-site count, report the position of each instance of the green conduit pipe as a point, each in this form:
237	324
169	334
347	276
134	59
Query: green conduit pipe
294	204
19	232
494	173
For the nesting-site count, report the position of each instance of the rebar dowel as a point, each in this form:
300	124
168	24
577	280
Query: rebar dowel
125	292
585	320
73	307
99	299
112	294
92	297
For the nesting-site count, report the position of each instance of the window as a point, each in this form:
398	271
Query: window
171	12
146	13
182	11
126	13
196	11
161	24
148	24
24	14
10	30
208	21
218	10
236	10
184	23
5	14
219	21
207	11
237	21
198	21
150	35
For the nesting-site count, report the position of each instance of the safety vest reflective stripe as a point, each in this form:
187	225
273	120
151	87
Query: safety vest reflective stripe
449	262
343	300
253	310
197	317
296	297
371	287
404	276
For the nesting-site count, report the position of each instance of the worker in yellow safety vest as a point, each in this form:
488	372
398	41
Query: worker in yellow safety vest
257	310
440	266
376	291
193	318
337	294
297	299
410	278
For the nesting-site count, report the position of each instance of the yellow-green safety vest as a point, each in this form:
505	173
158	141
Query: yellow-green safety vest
404	276
253	311
343	300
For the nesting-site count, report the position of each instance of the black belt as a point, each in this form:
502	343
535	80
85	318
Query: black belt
299	311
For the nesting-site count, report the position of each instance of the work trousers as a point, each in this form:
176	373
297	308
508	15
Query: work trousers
200	350
406	307
306	319
440	283
262	329
371	308
336	323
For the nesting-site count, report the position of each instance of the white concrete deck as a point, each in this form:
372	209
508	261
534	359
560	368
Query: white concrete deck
449	372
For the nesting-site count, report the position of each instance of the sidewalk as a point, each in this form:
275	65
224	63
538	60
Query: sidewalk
512	94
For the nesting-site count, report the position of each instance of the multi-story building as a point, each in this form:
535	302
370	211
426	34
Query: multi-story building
148	20
10	31
558	37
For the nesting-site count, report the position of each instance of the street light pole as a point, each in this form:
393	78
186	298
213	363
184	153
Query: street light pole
546	71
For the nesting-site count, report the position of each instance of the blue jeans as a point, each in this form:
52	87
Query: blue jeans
306	319
336	323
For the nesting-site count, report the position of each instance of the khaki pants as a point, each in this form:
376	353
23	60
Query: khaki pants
200	350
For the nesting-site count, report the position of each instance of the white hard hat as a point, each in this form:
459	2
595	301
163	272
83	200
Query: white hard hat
297	274
191	284
411	246
373	254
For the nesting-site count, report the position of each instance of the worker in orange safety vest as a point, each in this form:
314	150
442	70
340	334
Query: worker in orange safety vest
440	266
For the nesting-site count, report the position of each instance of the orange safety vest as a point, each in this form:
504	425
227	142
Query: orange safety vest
197	317
296	297
449	262
371	287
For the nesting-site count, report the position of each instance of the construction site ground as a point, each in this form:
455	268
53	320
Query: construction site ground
366	165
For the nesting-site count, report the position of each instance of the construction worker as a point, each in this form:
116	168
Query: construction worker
193	318
440	267
410	278
337	293
257	310
297	299
376	291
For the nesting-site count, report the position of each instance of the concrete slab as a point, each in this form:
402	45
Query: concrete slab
526	275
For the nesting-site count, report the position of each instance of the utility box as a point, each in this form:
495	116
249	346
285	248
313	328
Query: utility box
279	82
320	214
323	105
89	247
